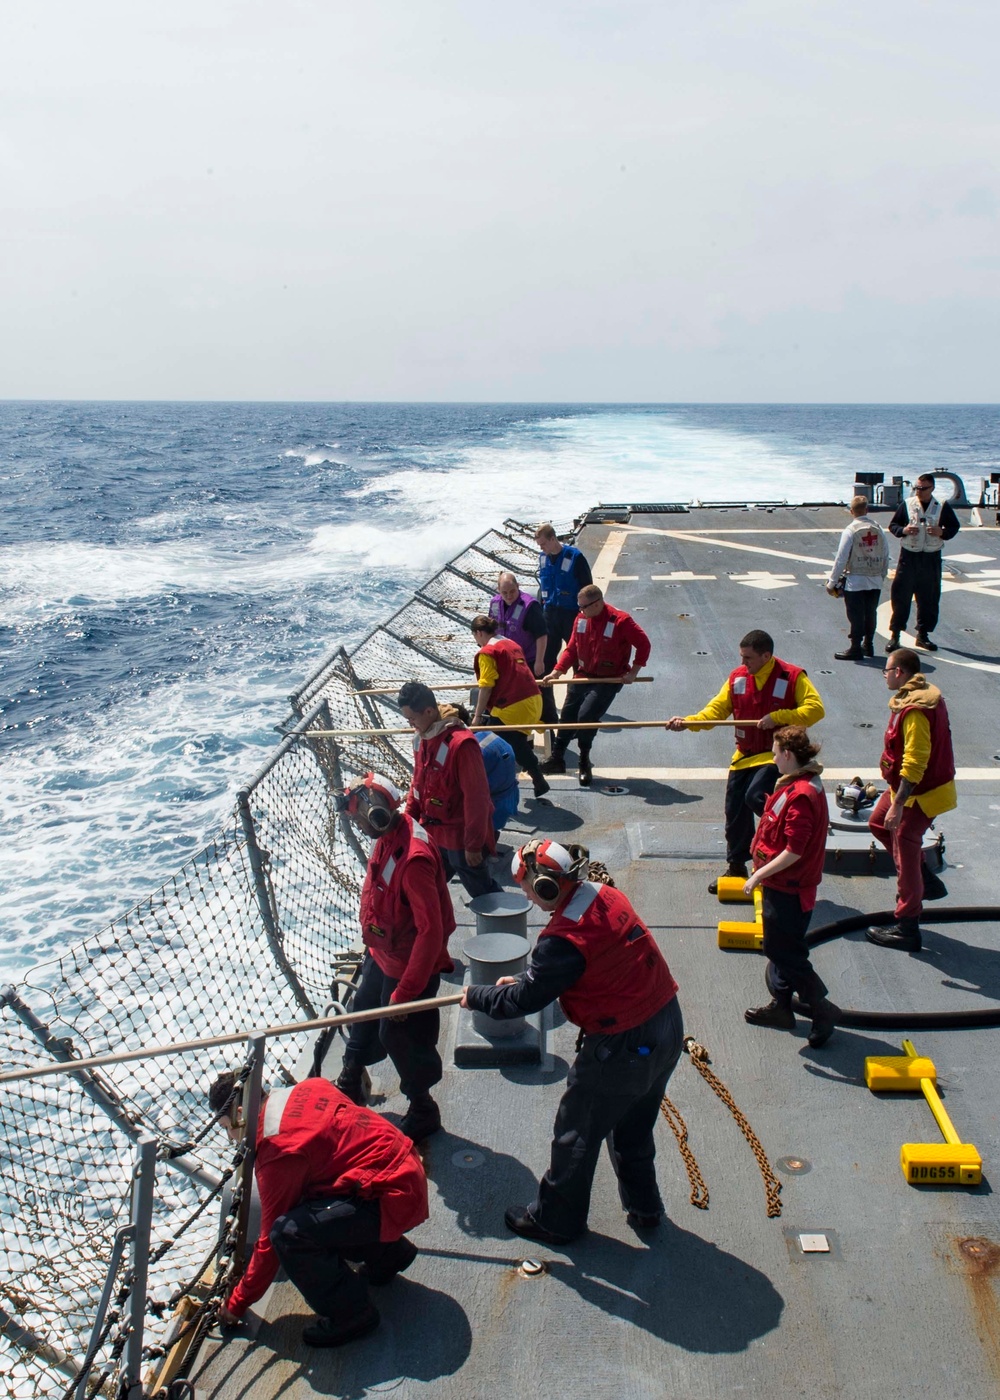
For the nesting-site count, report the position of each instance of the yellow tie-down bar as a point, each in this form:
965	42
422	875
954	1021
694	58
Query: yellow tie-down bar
732	932
951	1162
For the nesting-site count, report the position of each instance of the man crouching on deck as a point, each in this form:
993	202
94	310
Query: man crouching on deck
601	961
336	1182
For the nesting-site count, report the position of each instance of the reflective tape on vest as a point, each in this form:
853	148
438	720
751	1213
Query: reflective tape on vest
274	1110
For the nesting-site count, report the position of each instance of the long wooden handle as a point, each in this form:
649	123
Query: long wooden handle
471	684
152	1052
499	728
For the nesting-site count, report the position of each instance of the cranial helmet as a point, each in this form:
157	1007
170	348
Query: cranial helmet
372	802
548	867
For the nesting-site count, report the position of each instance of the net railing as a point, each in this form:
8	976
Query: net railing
247	933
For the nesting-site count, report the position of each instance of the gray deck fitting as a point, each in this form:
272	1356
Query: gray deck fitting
474	1051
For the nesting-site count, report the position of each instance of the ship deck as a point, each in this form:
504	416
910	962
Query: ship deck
724	1301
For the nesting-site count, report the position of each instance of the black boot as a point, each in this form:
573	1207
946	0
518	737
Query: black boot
868	646
334	1332
555	763
824	1022
520	1220
351	1082
776	1014
924	642
852	653
423	1117
934	886
736	872
893	643
904	935
585	770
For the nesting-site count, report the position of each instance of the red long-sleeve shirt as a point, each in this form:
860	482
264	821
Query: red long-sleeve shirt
312	1142
453	804
406	911
602	645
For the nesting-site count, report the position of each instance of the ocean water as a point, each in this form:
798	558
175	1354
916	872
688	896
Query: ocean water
169	572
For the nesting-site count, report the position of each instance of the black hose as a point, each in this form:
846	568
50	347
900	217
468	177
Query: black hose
916	1020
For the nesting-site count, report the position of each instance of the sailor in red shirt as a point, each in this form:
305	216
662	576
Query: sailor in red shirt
450	793
336	1182
601	645
602	963
788	851
406	921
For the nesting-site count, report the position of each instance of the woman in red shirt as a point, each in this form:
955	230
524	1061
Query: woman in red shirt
787	853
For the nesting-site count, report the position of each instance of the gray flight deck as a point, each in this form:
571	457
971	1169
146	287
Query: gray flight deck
719	1303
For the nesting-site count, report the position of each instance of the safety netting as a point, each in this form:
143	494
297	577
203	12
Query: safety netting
248	933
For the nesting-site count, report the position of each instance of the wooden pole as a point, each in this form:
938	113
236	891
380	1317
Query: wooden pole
152	1052
471	684
536	724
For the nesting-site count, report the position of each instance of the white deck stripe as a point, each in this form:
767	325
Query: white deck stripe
908	639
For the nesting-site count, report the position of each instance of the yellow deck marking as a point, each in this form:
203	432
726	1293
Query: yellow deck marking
604	564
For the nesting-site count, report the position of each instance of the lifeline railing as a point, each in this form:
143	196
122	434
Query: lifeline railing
120	1318
250	931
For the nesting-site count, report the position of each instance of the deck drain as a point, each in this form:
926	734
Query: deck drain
532	1268
864	725
826	673
468	1160
614	790
794	1166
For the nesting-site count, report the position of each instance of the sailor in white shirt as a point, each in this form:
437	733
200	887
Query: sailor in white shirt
922	524
858	573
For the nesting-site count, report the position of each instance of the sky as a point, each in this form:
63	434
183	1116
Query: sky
679	200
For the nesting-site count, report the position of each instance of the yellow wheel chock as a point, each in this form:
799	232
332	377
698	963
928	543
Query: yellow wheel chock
736	934
730	890
951	1162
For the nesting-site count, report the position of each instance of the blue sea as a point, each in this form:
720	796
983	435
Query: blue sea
170	571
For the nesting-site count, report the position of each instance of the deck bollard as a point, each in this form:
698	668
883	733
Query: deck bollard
492	956
479	1040
503	911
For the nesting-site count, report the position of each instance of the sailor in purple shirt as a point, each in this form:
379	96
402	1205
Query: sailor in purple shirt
519	617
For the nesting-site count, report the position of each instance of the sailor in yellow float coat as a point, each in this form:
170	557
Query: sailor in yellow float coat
752	772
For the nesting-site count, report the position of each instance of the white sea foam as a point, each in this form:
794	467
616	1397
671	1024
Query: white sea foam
110	798
314	456
557	468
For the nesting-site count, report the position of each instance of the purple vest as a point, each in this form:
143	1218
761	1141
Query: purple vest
510	620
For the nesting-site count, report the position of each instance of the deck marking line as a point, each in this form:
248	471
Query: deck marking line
909	640
737	545
604	564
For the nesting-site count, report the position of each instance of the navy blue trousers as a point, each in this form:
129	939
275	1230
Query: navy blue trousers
613	1093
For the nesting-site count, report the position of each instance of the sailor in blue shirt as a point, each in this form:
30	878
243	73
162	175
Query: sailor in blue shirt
562	572
501	768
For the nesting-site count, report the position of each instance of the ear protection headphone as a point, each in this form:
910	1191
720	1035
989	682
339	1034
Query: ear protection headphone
547	866
375	800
